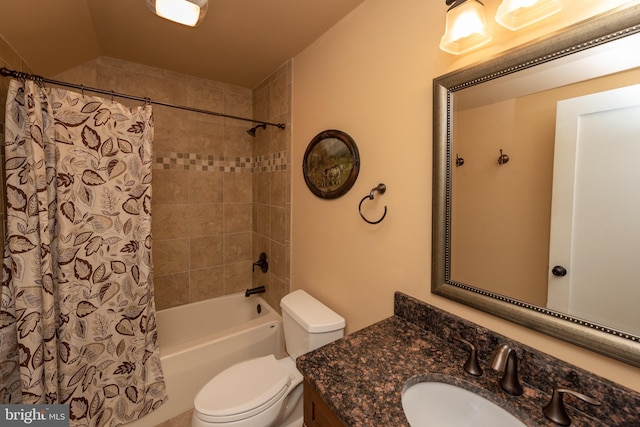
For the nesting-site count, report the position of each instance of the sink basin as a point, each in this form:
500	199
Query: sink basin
441	404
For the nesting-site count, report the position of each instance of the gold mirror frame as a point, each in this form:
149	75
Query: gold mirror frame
594	32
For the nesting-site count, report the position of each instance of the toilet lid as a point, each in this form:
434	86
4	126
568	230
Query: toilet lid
243	390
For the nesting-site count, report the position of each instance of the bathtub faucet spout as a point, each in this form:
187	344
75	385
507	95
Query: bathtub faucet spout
252	291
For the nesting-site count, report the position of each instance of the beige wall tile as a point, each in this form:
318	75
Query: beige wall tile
207	136
275	291
165	137
279	105
238	104
171	290
281	137
279	188
278	224
237	277
205	187
170	256
205	98
237	247
172	118
278	260
205	220
238	217
206	283
264	220
206	252
170	187
237	187
237	142
170	221
262	187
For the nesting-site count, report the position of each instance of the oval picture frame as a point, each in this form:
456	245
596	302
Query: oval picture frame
331	164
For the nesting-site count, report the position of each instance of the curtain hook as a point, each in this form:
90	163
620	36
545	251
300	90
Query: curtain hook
112	95
503	158
82	89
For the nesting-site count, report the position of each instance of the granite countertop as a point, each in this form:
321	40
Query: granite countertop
361	376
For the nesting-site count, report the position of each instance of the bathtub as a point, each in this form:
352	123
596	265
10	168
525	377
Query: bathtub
199	340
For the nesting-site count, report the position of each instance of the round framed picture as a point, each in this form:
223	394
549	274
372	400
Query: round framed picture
331	164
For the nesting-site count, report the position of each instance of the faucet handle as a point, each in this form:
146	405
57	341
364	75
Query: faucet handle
262	263
471	366
555	410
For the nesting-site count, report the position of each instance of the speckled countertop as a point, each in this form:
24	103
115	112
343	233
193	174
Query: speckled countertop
361	377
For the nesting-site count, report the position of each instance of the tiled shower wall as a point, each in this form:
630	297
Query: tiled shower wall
272	184
206	212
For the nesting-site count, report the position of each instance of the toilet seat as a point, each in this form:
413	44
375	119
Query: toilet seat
243	390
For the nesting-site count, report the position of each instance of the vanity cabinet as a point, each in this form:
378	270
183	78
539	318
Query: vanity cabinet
316	411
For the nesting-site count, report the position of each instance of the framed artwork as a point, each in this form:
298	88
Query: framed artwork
331	164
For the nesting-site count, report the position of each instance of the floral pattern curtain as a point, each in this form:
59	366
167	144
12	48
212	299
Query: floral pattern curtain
78	315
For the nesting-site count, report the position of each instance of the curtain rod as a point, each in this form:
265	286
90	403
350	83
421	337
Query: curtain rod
21	75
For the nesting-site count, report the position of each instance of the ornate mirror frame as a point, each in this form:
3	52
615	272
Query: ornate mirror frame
594	32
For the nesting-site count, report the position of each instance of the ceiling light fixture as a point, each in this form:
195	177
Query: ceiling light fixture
185	12
466	27
516	14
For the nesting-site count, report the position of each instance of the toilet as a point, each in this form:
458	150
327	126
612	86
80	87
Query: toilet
266	391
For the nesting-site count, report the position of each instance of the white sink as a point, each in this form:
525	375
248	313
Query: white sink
440	404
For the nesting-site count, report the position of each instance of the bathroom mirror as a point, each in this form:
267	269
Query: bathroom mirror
494	234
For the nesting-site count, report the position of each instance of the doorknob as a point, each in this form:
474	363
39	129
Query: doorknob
559	271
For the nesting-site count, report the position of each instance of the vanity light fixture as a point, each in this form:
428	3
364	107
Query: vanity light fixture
185	12
466	27
516	14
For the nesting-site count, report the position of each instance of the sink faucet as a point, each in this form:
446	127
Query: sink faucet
504	359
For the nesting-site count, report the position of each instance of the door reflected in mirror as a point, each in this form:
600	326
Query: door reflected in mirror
540	222
507	235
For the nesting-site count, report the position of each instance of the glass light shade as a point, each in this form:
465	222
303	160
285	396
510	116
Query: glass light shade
466	28
185	12
516	14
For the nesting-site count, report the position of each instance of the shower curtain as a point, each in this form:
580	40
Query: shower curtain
78	316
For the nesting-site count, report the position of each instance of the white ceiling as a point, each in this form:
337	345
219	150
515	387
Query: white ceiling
239	42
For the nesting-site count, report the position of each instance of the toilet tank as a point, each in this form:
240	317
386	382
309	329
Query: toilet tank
308	324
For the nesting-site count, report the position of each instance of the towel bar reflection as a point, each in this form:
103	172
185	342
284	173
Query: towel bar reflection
381	188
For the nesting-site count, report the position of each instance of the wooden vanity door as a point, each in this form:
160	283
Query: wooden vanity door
316	411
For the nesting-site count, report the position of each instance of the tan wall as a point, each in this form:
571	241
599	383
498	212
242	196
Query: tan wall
500	214
371	76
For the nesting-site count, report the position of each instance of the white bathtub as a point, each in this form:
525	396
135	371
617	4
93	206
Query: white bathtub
199	340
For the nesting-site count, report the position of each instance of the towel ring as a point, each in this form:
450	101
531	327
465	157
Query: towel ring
381	188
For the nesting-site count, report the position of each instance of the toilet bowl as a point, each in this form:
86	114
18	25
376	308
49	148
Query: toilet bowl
255	393
263	392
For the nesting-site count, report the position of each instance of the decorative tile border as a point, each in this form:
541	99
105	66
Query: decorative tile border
203	163
271	162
